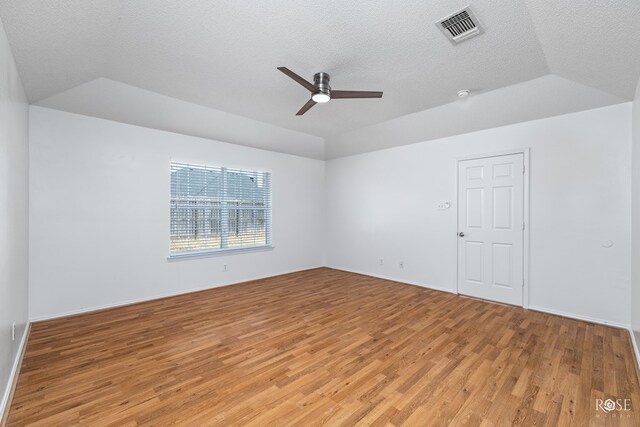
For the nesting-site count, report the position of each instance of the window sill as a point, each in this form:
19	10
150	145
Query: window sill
218	252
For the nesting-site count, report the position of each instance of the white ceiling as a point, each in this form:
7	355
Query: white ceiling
535	99
594	42
111	100
224	54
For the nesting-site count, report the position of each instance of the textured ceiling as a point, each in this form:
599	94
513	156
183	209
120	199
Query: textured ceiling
535	99
111	100
594	42
224	54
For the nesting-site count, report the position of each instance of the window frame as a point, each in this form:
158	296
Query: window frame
199	253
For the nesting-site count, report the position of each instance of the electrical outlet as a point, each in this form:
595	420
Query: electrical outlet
401	265
13	331
225	267
381	261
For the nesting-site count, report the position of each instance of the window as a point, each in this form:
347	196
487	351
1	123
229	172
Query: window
218	209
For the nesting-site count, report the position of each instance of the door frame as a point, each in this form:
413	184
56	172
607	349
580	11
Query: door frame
525	242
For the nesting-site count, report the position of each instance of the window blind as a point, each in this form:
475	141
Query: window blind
218	208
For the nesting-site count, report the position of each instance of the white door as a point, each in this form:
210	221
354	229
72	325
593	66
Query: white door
491	228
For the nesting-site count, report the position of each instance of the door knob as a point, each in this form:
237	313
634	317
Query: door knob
461	234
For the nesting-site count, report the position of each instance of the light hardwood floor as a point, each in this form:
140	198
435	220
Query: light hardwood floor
323	347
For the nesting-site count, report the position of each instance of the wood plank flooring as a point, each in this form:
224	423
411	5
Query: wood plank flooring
323	347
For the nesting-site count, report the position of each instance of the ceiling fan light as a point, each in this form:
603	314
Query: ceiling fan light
320	97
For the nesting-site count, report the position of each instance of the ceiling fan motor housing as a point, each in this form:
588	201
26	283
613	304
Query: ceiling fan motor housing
321	91
321	82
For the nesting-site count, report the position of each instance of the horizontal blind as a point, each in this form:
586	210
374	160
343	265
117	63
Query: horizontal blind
217	208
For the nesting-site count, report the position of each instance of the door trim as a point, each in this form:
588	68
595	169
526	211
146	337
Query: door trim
525	242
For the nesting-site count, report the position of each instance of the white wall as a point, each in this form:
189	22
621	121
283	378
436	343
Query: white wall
383	205
635	195
99	217
83	256
14	198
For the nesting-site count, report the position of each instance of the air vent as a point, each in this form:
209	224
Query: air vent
460	26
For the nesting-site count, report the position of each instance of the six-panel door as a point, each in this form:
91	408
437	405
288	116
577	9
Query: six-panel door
490	227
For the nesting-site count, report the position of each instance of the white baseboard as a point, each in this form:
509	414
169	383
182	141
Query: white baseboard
579	317
393	279
13	376
634	344
152	297
628	328
452	291
17	361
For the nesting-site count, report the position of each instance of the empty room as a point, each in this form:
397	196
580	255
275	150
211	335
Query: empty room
302	213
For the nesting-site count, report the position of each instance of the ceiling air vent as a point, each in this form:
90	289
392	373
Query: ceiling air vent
460	26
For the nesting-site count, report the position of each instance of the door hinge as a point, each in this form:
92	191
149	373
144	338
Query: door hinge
523	166
523	225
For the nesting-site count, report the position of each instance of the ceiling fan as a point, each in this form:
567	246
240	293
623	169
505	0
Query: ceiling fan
321	92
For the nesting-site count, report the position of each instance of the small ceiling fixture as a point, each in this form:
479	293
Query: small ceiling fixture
321	92
463	93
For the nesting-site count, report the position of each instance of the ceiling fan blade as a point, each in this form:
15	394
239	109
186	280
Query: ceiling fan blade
346	94
310	103
309	86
